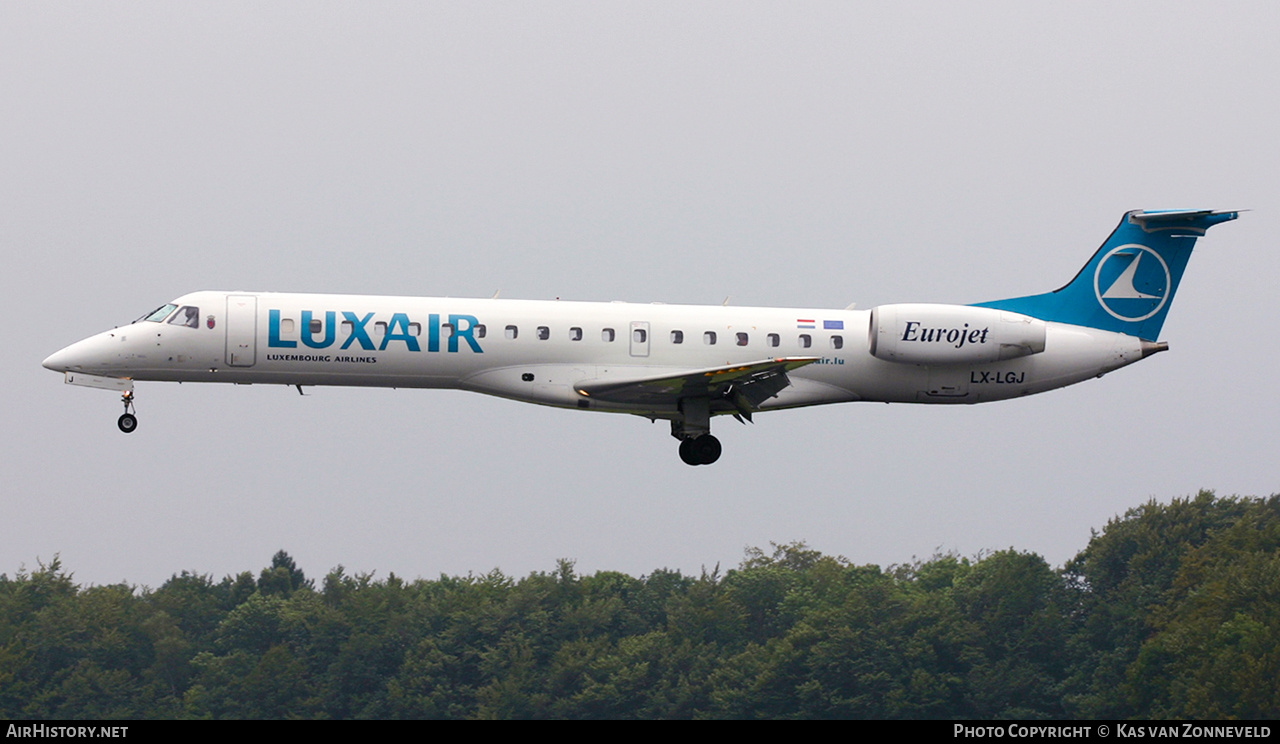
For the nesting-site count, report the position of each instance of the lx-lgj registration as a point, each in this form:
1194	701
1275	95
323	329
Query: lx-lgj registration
685	364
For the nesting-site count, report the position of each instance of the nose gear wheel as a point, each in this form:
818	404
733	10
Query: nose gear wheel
128	421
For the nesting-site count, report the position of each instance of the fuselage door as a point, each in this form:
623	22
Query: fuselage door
639	338
242	330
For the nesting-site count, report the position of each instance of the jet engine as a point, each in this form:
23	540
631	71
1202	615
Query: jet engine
952	334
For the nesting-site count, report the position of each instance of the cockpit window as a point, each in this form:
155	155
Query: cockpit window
188	316
159	314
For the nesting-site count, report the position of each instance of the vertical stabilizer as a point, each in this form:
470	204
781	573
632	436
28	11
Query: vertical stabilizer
1128	285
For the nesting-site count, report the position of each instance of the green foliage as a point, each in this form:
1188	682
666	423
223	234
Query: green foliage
1015	599
1215	652
1120	583
1171	611
283	577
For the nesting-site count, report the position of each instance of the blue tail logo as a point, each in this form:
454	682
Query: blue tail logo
1137	281
1128	285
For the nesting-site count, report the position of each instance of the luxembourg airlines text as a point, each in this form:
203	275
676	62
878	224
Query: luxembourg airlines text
320	358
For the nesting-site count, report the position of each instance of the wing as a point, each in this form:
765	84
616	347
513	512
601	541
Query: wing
746	386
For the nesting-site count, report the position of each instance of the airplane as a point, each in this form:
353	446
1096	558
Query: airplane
685	364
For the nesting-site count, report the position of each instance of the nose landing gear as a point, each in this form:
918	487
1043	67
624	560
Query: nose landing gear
127	422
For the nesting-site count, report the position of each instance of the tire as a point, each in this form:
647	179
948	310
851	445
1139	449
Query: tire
127	423
687	453
706	449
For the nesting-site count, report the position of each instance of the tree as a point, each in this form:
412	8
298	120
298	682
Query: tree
1119	582
1215	652
283	577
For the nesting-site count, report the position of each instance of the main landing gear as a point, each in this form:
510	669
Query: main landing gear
702	450
127	422
693	429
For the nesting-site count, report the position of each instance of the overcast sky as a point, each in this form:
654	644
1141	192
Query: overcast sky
802	153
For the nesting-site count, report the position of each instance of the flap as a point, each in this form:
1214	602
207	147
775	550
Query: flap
767	376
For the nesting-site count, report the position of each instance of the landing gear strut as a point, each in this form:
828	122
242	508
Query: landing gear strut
693	429
127	422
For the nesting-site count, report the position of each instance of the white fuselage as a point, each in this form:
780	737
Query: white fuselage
545	351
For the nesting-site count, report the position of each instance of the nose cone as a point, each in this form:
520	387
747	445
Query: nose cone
58	361
91	354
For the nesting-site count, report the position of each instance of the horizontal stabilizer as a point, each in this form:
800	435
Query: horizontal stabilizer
1197	220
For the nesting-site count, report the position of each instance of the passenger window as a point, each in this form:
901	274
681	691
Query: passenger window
544	333
187	316
316	326
480	331
415	329
774	339
837	342
709	338
286	325
742	339
677	337
575	334
806	340
346	327
606	335
379	328
638	335
512	332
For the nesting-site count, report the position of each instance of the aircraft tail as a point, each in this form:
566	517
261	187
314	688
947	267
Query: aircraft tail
1128	285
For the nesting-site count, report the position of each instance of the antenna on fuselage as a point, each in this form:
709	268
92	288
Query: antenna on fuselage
495	294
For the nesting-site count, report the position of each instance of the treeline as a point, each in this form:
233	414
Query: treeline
1172	611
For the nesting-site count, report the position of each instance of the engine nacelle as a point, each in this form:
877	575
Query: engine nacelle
952	334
